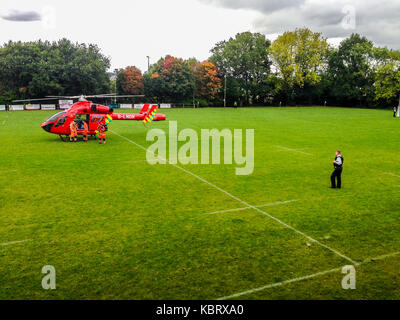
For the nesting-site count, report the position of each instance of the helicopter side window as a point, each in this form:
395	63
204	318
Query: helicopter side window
96	118
55	117
61	121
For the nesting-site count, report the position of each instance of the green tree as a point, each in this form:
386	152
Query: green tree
170	79
351	73
245	62
37	69
387	76
299	58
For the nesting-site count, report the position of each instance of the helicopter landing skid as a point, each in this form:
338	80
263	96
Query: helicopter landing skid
65	139
62	139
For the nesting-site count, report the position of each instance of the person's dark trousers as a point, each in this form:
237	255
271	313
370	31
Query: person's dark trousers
337	174
394	114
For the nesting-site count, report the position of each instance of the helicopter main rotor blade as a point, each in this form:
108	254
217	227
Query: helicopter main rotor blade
127	96
64	97
93	95
30	100
105	94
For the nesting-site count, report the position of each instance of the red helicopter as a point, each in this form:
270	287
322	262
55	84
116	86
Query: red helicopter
92	113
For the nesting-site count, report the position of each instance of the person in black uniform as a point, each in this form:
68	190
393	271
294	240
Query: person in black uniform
394	112
337	173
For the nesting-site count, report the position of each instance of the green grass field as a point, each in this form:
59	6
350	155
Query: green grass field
115	227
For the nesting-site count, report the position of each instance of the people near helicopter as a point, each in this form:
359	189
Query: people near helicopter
102	133
80	125
85	131
74	131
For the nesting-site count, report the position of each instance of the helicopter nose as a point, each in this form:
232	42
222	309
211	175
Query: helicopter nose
47	127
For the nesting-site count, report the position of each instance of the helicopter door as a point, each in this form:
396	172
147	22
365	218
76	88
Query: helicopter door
79	118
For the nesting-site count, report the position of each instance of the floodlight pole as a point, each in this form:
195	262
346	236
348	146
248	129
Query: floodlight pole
115	90
148	63
398	109
225	93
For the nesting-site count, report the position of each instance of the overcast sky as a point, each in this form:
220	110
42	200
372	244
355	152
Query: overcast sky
128	31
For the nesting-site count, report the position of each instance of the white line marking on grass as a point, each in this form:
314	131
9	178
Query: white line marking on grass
8	170
278	284
382	257
134	161
392	174
14	242
245	203
294	150
246	208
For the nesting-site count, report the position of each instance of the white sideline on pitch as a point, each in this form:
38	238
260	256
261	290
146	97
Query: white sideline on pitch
294	150
14	242
277	284
245	203
260	206
392	174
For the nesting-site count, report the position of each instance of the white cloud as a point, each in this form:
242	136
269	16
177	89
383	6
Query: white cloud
21	16
377	20
128	31
260	5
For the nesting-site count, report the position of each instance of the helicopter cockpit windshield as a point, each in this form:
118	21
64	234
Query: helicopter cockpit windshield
56	116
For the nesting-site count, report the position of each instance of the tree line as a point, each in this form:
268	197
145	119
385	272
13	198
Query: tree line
298	68
41	68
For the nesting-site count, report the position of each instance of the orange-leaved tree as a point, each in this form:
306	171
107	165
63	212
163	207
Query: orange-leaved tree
130	81
207	80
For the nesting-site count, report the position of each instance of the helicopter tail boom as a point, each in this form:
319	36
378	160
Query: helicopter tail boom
136	116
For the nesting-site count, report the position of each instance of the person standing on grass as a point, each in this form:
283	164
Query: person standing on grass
394	112
102	133
85	131
337	173
74	132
